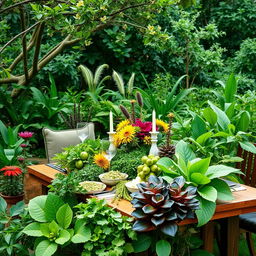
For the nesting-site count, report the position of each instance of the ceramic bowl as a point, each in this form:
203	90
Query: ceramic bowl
103	187
111	182
130	186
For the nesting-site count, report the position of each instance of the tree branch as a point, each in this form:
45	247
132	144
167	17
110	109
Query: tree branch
20	56
15	5
37	48
17	36
24	43
12	79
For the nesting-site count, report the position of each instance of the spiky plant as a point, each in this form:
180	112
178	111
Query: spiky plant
160	206
120	83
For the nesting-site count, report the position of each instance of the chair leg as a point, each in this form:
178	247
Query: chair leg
250	244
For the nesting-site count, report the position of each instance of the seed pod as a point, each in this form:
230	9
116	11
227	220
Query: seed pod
125	112
139	99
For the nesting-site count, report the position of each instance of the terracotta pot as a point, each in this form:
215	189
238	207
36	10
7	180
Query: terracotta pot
12	200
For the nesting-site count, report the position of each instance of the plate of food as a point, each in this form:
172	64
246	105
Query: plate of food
132	185
111	178
93	187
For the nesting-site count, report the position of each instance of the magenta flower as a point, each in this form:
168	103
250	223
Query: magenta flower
25	135
21	159
145	128
23	145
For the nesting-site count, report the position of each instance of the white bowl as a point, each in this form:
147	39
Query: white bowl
112	182
96	191
130	186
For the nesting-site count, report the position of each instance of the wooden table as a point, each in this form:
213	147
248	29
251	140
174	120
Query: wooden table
228	211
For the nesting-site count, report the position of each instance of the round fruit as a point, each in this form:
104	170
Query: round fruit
140	167
151	156
154	168
151	173
149	162
144	159
84	155
146	169
65	153
79	164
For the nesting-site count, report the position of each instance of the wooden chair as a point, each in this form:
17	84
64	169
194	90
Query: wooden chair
248	221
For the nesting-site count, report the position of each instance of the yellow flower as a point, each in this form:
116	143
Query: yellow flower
127	134
101	160
87	42
80	3
122	124
162	124
77	17
117	140
103	19
147	140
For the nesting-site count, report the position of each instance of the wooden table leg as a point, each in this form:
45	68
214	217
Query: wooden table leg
208	236
229	234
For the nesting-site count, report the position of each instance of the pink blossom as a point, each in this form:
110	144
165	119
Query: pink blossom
23	145
145	128
21	159
25	135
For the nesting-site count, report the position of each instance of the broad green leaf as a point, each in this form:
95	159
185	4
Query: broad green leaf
82	233
223	190
3	205
185	151
198	127
163	248
217	171
208	192
204	137
210	116
230	89
4	133
46	248
199	178
33	229
206	211
142	243
36	208
230	110
17	208
248	146
64	236
222	118
244	121
44	227
64	216
200	166
52	205
164	163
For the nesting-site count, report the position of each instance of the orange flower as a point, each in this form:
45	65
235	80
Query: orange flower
101	160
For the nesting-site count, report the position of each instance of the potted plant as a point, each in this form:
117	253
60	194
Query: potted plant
11	184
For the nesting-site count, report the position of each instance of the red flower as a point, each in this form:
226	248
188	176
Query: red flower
23	145
11	171
25	135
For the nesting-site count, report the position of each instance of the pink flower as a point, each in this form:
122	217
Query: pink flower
145	128
21	159
23	145
25	135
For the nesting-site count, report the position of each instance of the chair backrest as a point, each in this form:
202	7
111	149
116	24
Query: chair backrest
248	166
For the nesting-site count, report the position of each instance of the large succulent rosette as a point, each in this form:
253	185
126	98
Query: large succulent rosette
161	206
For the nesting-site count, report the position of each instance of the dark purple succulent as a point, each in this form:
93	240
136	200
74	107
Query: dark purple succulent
160	206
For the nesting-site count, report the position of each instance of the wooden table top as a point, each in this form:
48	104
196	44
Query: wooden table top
244	201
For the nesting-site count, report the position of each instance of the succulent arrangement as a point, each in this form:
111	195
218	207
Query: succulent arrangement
160	206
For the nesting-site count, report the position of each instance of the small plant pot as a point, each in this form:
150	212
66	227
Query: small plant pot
12	200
